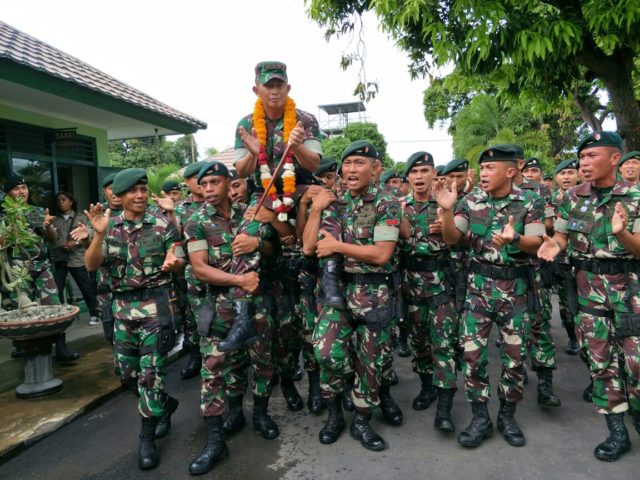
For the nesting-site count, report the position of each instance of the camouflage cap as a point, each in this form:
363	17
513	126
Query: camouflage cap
635	154
568	164
266	71
327	164
127	178
389	175
532	162
192	170
601	139
108	180
361	148
418	158
171	186
13	181
213	168
499	153
456	165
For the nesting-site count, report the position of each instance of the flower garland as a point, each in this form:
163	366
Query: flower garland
281	207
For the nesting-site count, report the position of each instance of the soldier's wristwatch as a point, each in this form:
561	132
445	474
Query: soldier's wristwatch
516	238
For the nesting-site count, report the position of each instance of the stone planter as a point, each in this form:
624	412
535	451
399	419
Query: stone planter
34	335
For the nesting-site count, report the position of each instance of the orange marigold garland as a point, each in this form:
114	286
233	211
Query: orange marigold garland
281	207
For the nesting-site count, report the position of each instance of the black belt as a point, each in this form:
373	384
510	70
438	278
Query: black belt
367	278
425	264
142	294
499	272
606	267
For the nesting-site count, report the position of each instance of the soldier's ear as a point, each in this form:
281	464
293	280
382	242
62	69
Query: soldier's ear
288	88
255	89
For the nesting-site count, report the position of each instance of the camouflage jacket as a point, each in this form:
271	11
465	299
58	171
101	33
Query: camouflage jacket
480	217
186	208
275	144
587	221
544	192
134	251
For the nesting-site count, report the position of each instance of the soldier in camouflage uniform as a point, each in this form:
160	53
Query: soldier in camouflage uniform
238	189
500	222
532	170
599	226
42	287
369	221
140	250
210	236
173	190
431	315
629	167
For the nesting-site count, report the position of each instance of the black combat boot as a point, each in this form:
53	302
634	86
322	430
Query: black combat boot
390	409
148	456
361	430
164	422
427	393
618	441
443	421
546	397
261	419
291	395
587	394
235	420
403	343
63	354
314	402
479	428
330	284
347	401
507	425
214	450
194	364
243	331
573	347
334	425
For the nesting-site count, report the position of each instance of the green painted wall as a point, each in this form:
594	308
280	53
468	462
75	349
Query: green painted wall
18	115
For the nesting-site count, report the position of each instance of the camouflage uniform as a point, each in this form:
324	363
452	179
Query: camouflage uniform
133	253
607	281
103	280
496	289
207	230
369	292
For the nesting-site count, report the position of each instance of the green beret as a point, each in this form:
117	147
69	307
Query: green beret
547	176
456	165
569	163
362	148
601	139
418	158
127	178
233	174
440	169
265	71
13	181
388	175
519	150
532	162
499	153
108	180
635	154
213	168
192	170
171	186
327	164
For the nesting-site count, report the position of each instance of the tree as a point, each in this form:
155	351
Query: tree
334	146
547	49
157	175
211	151
152	151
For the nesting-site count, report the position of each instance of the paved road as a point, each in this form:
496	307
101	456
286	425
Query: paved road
103	443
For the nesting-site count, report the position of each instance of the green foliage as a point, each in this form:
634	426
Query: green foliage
334	146
157	175
152	151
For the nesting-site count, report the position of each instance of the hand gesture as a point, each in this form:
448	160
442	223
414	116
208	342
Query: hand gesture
323	199
620	219
436	227
244	244
68	245
327	245
251	141
170	261
48	218
296	137
99	221
507	235
444	194
470	181
164	202
79	233
264	214
549	249
250	281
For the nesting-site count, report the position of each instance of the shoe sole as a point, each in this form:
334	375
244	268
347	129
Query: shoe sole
359	438
477	444
611	459
513	444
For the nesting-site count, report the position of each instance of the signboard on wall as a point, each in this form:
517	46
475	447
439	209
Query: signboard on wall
65	138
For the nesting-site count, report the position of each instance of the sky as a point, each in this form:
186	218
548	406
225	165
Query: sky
199	56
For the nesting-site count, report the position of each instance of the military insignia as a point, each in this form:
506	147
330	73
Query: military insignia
366	149
490	153
215	167
392	222
596	137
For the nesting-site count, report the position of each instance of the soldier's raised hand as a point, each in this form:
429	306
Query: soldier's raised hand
99	220
48	218
436	227
470	181
164	201
549	249
620	219
251	141
444	194
507	235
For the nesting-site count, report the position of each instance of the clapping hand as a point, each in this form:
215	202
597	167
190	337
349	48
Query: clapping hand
99	220
507	235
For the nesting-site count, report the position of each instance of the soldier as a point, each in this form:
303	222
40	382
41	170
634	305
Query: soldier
532	170
392	181
599	226
261	140
406	188
629	167
431	316
212	242
238	191
327	172
173	190
500	221
547	180
140	250
369	221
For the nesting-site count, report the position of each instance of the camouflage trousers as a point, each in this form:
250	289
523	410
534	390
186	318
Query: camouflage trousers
432	330
614	361
539	339
308	314
503	302
224	374
287	341
42	286
196	295
138	362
